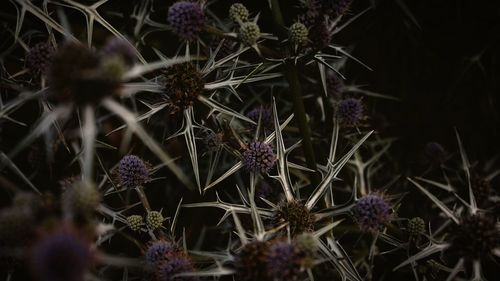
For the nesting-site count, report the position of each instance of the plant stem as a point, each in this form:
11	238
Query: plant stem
292	77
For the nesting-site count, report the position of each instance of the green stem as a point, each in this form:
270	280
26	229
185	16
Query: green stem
292	77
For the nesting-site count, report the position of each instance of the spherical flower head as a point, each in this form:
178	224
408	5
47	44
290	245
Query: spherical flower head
61	256
187	19
259	157
81	199
307	242
435	152
372	212
249	33
284	260
154	220
132	171
298	33
335	86
167	269
75	74
238	13
475	237
296	214
416	227
159	251
250	261
121	48
183	85
135	222
213	140
39	58
264	113
320	35
335	8
350	111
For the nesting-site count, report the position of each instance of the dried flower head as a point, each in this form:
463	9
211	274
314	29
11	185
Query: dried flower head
298	33
284	260
238	13
350	111
154	219
61	256
372	212
133	172
259	157
475	237
39	58
296	214
249	33
187	19
250	261
135	222
183	85
75	74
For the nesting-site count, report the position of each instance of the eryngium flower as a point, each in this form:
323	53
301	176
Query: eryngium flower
81	199
249	33
154	219
416	227
298	217
264	113
335	86
238	13
320	35
259	157
75	74
250	262
350	111
187	19
61	256
135	222
179	263
40	57
335	8
159	251
298	33
120	47
183	85
132	171
284	260
476	236
372	211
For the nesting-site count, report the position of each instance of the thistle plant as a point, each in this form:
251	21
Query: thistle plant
214	140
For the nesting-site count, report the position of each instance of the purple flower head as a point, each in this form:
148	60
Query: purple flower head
335	86
266	116
61	256
259	157
40	57
350	111
167	269
132	171
120	47
159	251
320	35
335	8
187	19
435	152
284	260
372	212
